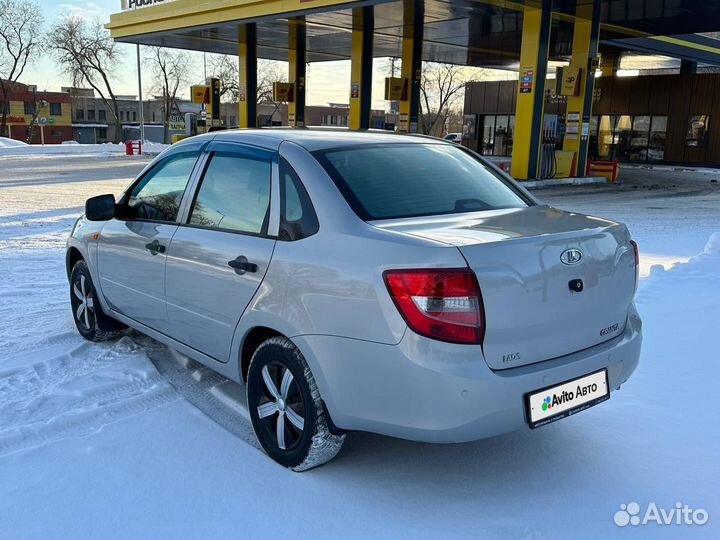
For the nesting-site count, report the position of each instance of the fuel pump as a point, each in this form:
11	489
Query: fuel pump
548	163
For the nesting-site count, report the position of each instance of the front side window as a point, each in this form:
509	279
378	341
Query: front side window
29	107
234	194
158	195
56	109
406	180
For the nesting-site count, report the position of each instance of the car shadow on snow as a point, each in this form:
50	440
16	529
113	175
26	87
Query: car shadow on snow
533	460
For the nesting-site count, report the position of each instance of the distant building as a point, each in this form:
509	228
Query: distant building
337	115
36	116
79	114
93	121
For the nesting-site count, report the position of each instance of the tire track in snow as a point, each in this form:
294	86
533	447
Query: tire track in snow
34	380
25	412
77	393
200	386
72	425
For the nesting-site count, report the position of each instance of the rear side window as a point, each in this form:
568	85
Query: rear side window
234	194
297	218
407	180
158	195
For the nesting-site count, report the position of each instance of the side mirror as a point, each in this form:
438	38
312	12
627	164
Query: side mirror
100	208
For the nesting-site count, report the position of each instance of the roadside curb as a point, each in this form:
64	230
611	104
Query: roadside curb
575	181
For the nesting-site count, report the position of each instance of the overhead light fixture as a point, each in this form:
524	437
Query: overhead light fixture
627	72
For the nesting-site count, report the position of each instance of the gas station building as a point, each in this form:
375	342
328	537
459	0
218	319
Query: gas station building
578	114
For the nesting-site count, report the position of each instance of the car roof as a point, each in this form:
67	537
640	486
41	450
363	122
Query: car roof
316	138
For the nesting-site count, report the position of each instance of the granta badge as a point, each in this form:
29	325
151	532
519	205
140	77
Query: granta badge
571	257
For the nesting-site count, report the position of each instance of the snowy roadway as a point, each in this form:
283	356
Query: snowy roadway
128	440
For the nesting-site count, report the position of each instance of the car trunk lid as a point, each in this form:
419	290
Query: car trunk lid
526	262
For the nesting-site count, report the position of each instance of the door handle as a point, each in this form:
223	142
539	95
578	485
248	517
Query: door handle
155	247
241	265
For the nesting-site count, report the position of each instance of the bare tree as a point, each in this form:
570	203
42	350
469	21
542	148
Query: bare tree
171	71
225	68
85	51
39	104
441	87
20	36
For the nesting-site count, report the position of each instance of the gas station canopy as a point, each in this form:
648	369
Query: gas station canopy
466	32
520	35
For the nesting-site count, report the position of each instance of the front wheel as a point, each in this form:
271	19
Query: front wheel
285	407
90	320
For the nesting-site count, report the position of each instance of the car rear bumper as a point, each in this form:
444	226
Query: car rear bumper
426	390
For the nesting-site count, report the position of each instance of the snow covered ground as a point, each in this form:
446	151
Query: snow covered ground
12	148
130	440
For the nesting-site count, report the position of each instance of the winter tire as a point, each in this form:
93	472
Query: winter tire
90	320
286	410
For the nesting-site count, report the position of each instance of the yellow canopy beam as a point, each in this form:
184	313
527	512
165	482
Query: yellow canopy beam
190	13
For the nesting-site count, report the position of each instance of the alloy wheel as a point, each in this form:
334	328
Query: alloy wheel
83	304
281	408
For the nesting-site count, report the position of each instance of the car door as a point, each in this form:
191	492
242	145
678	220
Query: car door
133	247
220	253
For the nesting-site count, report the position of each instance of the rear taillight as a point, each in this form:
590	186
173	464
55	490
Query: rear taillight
636	251
442	304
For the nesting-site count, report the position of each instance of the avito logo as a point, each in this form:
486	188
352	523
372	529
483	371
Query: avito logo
681	514
564	397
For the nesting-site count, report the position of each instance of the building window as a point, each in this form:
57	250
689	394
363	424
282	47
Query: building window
501	135
134	116
628	138
80	114
497	134
91	114
658	136
56	109
4	107
639	139
102	115
697	130
101	133
29	107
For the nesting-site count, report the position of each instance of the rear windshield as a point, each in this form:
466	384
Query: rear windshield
405	180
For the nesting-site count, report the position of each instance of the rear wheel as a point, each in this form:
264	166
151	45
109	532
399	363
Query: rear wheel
90	320
286	410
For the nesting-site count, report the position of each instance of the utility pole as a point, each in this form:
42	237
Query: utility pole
140	98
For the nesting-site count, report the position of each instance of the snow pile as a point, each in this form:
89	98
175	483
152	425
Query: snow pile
11	143
74	149
713	245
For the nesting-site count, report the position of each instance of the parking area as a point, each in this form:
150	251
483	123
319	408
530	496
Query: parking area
140	430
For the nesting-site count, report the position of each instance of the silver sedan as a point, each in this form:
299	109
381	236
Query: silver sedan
362	281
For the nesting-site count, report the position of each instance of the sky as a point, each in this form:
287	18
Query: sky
327	82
